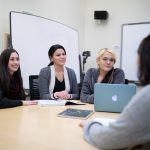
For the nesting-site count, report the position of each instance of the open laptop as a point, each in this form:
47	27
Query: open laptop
112	97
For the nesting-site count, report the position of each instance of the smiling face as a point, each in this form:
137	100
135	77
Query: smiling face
106	61
13	63
59	57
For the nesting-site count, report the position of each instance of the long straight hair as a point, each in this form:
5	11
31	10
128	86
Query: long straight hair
144	61
109	76
5	76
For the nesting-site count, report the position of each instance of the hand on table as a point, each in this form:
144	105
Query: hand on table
27	102
81	124
62	95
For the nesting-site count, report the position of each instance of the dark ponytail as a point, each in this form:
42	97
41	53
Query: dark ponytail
52	50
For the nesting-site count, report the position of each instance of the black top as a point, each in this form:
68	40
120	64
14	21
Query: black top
59	86
12	99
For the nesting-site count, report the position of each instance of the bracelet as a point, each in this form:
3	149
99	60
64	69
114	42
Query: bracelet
54	96
70	96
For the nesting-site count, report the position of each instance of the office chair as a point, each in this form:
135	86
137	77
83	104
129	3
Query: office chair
126	81
33	85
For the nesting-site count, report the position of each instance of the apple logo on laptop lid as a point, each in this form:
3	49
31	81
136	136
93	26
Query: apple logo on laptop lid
114	98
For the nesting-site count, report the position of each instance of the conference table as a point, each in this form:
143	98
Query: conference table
39	128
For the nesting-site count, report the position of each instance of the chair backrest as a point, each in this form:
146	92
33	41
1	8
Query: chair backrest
126	81
33	85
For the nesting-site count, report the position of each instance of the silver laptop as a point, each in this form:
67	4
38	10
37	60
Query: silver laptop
112	97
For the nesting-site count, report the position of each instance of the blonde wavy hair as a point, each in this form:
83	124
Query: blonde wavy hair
102	51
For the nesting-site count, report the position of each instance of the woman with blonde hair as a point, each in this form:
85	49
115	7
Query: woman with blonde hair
105	73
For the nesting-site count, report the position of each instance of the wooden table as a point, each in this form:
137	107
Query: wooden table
39	128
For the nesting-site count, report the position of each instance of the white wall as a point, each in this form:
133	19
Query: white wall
79	14
108	33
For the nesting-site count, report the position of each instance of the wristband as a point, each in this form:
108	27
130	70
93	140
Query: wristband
70	96
55	96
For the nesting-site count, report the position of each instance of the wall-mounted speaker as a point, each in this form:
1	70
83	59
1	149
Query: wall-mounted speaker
101	15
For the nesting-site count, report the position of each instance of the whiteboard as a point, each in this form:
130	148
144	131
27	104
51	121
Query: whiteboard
32	37
132	35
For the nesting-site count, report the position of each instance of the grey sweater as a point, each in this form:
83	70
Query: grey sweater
45	80
130	129
90	79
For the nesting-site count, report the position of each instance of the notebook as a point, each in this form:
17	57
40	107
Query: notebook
59	102
76	113
112	97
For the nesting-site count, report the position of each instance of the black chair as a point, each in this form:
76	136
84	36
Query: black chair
33	85
126	81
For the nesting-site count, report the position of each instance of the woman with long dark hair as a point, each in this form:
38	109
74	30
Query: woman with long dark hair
11	84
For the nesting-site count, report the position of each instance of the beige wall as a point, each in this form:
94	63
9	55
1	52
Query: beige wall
108	33
79	14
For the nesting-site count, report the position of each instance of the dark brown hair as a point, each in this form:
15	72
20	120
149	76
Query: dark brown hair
5	77
52	50
144	61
